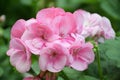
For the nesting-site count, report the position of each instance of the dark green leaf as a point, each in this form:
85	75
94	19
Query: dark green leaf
85	77
112	50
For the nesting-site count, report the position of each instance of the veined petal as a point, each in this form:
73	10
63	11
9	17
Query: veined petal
45	16
108	32
35	45
16	44
60	62
23	65
15	57
79	65
18	29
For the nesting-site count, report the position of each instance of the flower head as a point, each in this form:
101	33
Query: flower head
53	58
20	56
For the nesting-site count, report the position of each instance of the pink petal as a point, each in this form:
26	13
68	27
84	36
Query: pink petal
95	19
27	35
15	57
79	20
23	64
67	24
60	62
87	55
16	44
18	29
35	45
43	61
30	22
41	31
45	16
79	65
107	28
51	68
12	51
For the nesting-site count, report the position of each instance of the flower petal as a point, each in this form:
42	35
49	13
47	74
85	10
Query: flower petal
79	65
18	29
60	62
14	58
108	32
35	45
16	44
45	16
43	61
23	65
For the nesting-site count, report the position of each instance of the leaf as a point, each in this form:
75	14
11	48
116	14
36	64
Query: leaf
111	48
35	65
71	73
112	8
26	2
6	33
1	71
60	78
71	5
86	77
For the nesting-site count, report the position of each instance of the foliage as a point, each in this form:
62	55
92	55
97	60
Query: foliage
109	50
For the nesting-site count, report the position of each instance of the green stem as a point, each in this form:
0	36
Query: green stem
98	63
63	75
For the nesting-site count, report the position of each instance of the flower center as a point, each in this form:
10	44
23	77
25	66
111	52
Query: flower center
76	51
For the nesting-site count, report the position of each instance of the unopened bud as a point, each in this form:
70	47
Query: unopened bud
2	18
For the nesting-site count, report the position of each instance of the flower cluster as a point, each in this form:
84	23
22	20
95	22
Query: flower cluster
58	38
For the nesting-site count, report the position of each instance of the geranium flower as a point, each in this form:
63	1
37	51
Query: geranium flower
20	56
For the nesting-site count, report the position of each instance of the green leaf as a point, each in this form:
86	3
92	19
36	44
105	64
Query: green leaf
26	2
1	71
112	8
60	78
85	77
71	5
72	73
35	65
111	48
7	33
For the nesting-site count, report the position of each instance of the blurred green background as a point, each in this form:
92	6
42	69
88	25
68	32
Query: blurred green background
12	10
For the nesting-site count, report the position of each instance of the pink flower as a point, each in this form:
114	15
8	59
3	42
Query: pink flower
28	34
40	30
82	54
37	35
87	24
19	55
65	24
46	16
18	29
93	25
53	58
35	45
107	30
57	20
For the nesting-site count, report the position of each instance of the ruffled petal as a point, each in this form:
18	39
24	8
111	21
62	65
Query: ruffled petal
45	16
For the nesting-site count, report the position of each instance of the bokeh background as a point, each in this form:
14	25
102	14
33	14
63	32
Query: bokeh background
12	10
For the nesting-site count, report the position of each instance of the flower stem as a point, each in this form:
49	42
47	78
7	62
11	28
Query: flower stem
98	63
